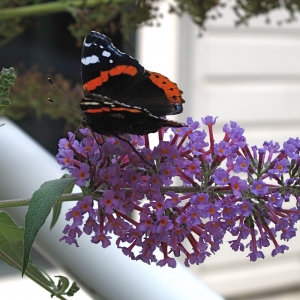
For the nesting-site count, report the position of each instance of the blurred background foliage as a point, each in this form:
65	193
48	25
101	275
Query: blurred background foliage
17	15
65	23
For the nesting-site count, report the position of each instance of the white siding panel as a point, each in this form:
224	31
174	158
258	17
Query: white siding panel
254	101
248	54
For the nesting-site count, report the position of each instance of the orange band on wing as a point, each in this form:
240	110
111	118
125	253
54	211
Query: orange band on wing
173	93
104	76
132	110
97	110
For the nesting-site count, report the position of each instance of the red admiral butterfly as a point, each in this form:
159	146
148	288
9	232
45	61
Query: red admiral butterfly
120	95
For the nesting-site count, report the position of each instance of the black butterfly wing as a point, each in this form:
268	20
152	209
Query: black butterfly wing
105	70
113	74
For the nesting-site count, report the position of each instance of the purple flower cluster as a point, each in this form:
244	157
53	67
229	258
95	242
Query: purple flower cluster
225	187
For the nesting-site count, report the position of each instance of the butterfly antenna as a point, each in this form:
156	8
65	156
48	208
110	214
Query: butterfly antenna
142	158
65	107
75	110
70	100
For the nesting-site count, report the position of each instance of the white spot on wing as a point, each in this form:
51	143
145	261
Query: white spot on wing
111	61
87	44
90	60
106	53
101	46
90	103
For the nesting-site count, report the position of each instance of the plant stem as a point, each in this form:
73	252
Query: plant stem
25	202
47	8
78	196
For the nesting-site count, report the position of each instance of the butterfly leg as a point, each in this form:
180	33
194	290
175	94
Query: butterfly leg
126	141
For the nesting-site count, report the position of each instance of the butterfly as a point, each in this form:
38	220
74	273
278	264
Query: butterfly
120	96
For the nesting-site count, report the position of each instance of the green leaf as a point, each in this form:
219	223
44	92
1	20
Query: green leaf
39	208
56	213
73	289
11	247
11	240
57	206
61	287
7	77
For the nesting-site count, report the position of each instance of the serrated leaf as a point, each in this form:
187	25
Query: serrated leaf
11	247
39	208
57	206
